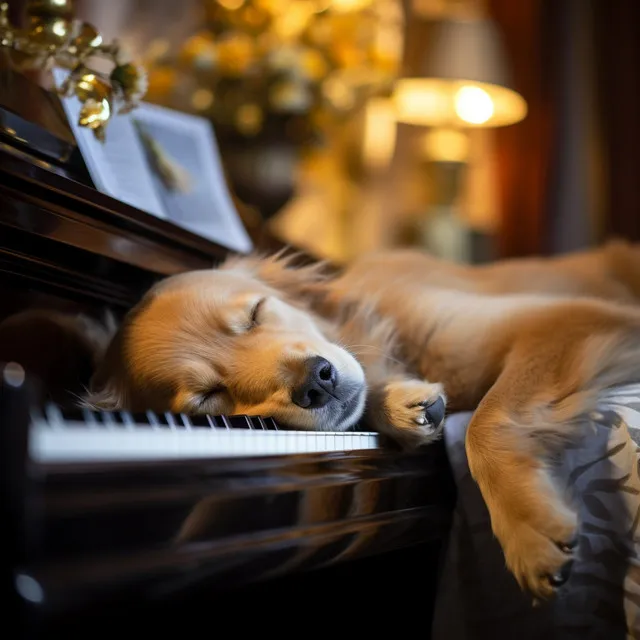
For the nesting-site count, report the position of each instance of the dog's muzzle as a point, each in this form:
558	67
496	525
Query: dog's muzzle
318	385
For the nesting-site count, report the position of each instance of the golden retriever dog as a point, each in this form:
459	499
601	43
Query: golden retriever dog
528	345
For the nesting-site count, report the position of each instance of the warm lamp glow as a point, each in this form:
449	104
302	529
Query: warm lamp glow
379	138
438	102
231	5
462	81
445	145
473	105
349	5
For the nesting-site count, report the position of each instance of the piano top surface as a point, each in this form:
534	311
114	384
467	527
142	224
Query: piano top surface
60	232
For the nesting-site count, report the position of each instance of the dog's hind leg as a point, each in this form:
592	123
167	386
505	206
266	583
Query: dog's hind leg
549	382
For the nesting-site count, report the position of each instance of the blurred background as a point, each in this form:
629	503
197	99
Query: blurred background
475	129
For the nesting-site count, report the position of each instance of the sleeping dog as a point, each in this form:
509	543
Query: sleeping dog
528	345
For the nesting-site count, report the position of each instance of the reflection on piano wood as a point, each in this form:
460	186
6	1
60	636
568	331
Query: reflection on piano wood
92	529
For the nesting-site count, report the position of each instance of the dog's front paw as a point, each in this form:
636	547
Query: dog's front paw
413	411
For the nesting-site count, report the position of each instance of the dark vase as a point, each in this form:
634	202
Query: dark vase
261	172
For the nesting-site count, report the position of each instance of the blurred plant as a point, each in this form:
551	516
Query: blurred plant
54	38
283	68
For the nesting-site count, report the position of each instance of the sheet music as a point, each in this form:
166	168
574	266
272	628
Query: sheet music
120	167
207	208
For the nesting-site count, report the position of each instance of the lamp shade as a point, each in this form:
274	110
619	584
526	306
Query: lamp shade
464	80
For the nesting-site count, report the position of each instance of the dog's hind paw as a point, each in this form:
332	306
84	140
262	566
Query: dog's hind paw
540	564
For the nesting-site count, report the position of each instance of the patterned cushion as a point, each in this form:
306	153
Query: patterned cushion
625	401
479	598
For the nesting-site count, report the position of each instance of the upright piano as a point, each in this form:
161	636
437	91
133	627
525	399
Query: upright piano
114	517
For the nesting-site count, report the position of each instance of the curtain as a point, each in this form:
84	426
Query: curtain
523	150
617	46
568	174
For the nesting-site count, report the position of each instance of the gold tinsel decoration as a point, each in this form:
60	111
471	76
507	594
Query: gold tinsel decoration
54	38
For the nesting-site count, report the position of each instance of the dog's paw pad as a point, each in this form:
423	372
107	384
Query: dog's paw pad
561	576
540	565
433	412
414	411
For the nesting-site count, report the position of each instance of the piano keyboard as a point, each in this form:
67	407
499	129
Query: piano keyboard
59	436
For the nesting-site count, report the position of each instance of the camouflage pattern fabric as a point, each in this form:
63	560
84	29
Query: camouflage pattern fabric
478	597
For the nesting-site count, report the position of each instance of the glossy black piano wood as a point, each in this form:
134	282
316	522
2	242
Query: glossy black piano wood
93	538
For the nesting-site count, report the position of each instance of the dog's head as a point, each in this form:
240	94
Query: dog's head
234	340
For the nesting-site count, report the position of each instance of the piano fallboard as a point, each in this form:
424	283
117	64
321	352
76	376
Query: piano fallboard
90	533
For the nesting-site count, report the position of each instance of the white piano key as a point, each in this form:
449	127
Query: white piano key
153	421
107	420
54	416
127	420
89	417
82	444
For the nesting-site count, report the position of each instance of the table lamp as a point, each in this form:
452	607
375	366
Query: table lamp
464	80
463	83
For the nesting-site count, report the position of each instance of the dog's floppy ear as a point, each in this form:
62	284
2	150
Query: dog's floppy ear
112	386
107	389
291	274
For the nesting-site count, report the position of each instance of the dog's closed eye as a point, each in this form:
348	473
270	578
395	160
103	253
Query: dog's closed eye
254	318
212	393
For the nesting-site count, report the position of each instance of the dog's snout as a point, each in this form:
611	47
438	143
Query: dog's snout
318	384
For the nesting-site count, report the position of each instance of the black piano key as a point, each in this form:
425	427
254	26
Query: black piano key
126	419
72	417
84	417
160	419
214	422
269	424
107	418
174	421
226	422
240	422
200	421
144	419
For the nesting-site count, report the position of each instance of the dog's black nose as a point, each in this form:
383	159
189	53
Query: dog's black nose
318	384
435	411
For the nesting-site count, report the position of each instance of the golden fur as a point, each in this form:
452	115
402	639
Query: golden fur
528	345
